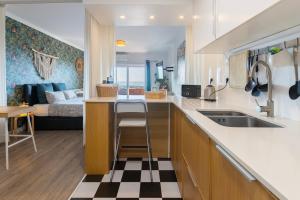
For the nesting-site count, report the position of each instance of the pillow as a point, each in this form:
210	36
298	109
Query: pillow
79	92
70	94
41	89
59	86
54	97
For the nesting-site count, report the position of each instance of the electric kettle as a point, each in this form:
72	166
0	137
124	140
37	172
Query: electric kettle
210	92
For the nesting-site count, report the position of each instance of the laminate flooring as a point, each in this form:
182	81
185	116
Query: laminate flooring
50	174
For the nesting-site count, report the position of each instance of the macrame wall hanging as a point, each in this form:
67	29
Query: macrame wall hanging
44	63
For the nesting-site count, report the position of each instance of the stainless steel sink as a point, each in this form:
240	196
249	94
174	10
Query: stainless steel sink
221	113
236	119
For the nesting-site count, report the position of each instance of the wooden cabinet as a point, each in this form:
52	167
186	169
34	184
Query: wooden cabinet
195	153
232	13
203	171
176	140
190	187
204	23
227	182
98	138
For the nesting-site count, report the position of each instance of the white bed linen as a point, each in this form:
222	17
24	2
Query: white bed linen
41	110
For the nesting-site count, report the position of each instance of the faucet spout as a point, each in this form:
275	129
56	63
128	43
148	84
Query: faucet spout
270	103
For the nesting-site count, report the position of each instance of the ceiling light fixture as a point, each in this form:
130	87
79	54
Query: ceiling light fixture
122	17
152	17
120	43
196	17
181	17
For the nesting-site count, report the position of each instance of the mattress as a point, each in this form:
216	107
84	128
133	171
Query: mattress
41	110
68	108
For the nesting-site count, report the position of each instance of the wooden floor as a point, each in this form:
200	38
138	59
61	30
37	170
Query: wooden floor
51	174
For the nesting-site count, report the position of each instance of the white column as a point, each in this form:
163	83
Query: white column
192	60
100	54
3	97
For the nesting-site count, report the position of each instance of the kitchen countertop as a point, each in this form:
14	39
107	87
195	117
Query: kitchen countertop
272	155
168	99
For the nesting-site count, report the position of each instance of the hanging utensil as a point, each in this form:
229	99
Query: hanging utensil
249	64
263	88
251	82
294	91
255	91
250	85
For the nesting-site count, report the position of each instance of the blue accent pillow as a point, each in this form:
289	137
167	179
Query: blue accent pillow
41	89
59	86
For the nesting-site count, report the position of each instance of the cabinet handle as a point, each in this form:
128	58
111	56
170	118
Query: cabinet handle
190	172
239	167
190	119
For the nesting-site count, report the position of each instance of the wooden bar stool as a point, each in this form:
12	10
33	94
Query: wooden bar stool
127	107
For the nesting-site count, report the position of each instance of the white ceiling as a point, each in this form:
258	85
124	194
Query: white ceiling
137	12
65	21
149	38
61	21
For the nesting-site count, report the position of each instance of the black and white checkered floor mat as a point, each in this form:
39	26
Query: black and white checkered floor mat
131	181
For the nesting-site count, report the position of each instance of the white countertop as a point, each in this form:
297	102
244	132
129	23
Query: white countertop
168	99
272	155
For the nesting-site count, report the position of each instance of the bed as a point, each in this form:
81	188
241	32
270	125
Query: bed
66	115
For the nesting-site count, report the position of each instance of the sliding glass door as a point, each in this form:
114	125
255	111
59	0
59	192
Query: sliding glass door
130	76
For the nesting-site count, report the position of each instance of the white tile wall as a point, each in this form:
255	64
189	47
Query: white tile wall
216	66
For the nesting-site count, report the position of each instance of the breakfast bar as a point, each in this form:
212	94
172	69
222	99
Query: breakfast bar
99	132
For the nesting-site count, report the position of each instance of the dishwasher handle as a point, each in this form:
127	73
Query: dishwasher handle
237	165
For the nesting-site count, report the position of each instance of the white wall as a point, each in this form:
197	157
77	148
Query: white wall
216	66
172	61
3	97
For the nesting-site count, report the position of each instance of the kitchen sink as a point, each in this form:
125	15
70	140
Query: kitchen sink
221	113
236	119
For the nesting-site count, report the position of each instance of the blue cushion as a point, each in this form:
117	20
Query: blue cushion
59	86
41	89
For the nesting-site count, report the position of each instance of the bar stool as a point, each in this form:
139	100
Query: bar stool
126	107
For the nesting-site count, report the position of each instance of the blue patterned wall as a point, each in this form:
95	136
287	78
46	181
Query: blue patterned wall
20	39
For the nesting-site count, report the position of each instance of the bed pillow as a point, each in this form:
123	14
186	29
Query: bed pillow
41	89
59	86
79	92
70	94
54	97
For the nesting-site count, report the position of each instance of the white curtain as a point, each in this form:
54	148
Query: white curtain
3	97
100	54
192	60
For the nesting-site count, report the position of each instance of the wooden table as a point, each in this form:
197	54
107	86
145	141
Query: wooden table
13	111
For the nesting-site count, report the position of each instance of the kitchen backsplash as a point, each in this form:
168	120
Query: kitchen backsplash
20	39
216	66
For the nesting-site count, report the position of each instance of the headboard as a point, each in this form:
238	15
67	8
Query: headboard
30	94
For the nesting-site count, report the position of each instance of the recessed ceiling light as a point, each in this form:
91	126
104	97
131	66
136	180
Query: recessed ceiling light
152	17
122	17
181	17
196	17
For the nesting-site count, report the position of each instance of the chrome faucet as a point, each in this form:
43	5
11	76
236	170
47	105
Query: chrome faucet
269	109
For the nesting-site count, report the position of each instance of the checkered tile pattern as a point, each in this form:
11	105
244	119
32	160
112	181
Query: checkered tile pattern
132	181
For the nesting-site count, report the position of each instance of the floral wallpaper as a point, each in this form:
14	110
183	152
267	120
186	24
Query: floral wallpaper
20	39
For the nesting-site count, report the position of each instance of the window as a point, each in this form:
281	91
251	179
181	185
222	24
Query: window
130	76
